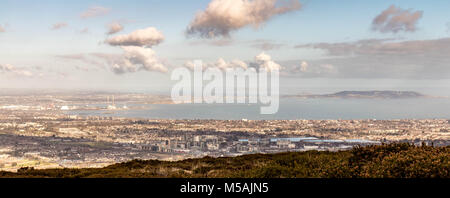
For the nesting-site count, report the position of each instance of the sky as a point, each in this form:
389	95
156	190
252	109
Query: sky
319	45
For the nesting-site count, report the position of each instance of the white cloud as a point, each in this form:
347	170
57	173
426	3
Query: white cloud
145	37
376	47
189	64
223	16
384	58
95	11
265	62
265	45
260	62
25	73
395	19
60	25
220	64
7	67
114	28
312	70
138	54
11	69
238	63
132	60
143	57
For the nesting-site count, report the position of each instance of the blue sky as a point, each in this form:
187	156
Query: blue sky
28	40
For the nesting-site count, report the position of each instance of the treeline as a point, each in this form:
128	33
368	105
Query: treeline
376	161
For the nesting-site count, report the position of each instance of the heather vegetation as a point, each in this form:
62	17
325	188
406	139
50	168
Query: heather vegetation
382	161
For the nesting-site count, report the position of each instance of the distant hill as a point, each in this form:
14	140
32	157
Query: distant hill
376	161
376	94
367	94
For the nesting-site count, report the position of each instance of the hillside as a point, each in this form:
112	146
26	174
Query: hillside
367	94
393	160
378	94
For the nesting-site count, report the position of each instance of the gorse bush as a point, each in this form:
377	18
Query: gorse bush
377	161
400	161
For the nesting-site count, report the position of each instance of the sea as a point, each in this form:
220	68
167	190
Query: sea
289	109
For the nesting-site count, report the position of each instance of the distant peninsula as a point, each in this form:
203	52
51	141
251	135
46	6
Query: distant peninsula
366	94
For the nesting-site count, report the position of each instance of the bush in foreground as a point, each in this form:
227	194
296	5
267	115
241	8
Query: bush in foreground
377	161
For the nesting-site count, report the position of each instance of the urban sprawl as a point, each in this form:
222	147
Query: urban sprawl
42	134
